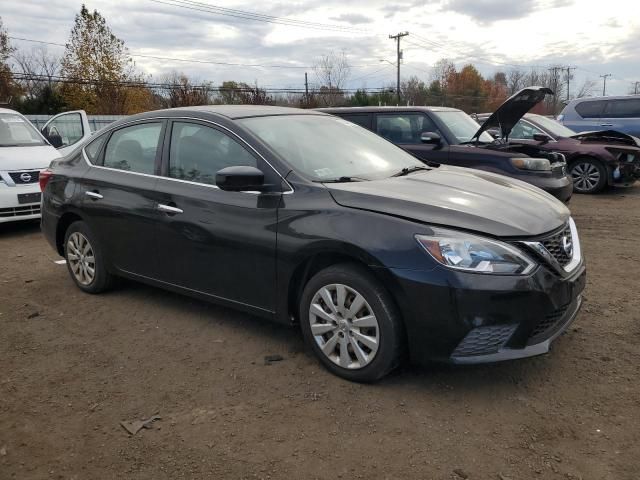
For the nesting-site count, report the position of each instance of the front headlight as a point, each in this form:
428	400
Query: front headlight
538	164
463	251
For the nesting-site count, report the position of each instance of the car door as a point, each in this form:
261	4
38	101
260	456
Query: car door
590	113
65	130
118	194
405	130
219	243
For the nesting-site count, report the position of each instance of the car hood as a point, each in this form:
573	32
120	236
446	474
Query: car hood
461	198
25	158
607	136
513	109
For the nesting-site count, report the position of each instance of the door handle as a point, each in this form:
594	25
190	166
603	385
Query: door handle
93	195
606	124
169	209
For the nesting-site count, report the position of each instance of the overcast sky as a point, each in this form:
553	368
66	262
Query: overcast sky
596	36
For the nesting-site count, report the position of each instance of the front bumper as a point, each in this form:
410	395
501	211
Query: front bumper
559	187
11	210
473	318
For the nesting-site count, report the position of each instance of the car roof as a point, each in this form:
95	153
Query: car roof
386	109
608	97
229	111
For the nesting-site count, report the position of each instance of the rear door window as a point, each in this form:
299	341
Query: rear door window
364	120
134	148
404	128
622	108
591	109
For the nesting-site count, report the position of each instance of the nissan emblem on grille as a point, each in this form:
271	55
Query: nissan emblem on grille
25	177
567	246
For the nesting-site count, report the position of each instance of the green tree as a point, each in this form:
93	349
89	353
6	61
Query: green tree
8	87
102	74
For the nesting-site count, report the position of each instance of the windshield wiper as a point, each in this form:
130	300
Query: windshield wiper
408	170
343	179
9	145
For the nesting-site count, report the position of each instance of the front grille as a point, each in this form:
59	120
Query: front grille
25	177
547	325
555	247
484	340
20	211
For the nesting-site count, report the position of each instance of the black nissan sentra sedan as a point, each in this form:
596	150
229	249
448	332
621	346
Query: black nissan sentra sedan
302	217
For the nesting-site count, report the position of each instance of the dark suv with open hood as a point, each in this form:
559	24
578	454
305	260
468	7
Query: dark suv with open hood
450	136
298	216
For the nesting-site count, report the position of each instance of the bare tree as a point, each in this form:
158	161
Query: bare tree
586	89
332	72
516	79
181	91
39	69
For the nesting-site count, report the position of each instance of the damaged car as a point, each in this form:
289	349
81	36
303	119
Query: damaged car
595	159
442	135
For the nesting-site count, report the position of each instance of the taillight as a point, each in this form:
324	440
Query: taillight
44	177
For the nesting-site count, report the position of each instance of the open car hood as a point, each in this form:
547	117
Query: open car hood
608	136
513	109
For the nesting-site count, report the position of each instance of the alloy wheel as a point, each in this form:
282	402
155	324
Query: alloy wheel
344	326
586	176
81	258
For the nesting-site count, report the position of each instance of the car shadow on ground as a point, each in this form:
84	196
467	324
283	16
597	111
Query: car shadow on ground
19	228
282	338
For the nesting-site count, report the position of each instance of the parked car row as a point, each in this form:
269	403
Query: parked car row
450	136
306	218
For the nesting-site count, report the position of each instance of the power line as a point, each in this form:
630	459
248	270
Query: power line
192	60
258	17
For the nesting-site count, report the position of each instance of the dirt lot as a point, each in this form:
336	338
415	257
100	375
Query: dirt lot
73	366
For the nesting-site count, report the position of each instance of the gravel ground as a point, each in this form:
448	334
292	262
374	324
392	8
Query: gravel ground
73	366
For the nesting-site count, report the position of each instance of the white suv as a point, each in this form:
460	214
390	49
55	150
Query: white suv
24	152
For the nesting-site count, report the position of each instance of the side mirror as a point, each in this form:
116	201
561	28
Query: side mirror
494	132
541	137
240	179
52	136
431	138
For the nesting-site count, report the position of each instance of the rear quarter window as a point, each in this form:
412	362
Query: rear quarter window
590	109
623	108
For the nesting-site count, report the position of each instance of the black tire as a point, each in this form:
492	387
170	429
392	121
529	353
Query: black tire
102	280
589	175
390	328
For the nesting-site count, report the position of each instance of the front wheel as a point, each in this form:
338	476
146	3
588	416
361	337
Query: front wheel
589	175
350	322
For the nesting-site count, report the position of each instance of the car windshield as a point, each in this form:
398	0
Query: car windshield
327	148
556	129
16	131
462	126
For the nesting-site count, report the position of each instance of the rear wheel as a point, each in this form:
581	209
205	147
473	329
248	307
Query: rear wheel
85	260
350	322
589	175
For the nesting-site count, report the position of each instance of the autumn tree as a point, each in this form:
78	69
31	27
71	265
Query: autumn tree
415	91
7	85
101	76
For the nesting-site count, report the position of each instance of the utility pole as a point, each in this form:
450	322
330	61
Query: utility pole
569	78
635	89
604	85
553	81
399	57
306	88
